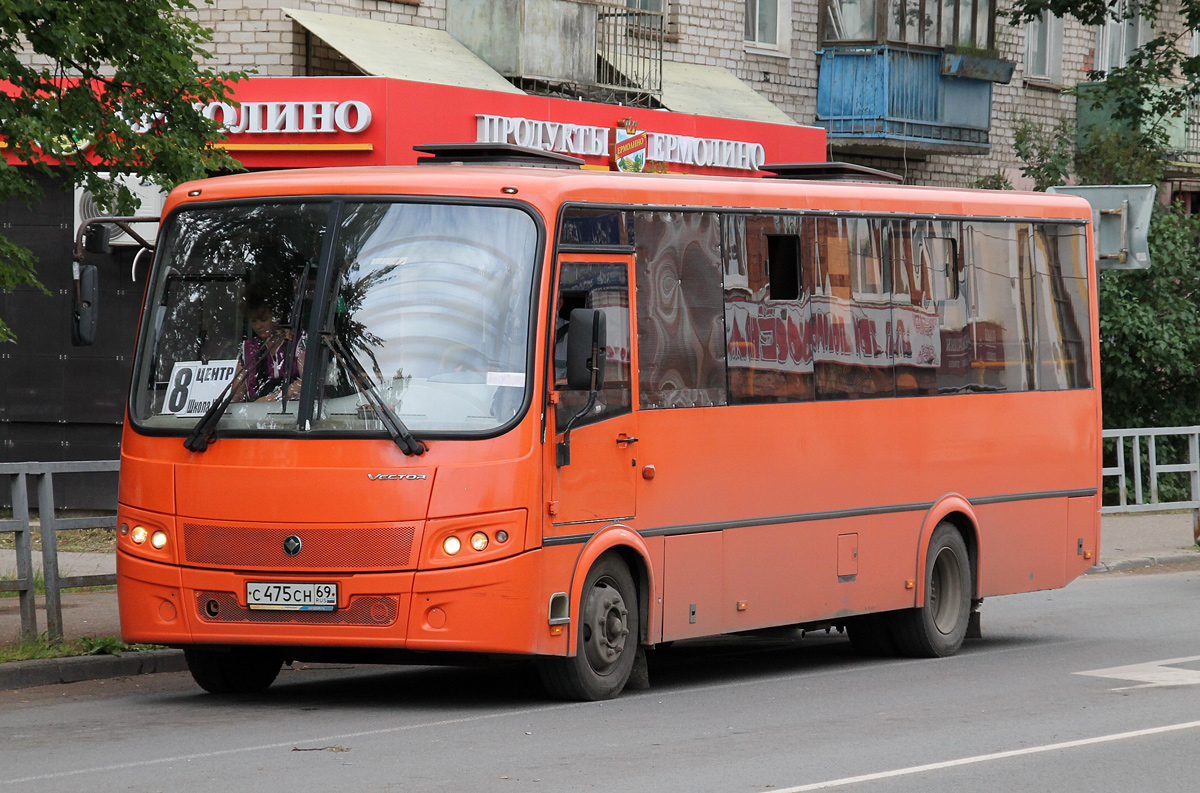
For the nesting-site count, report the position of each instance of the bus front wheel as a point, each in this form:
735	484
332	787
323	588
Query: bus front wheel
608	634
239	670
937	629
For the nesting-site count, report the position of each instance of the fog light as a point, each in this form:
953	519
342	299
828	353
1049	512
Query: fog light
451	545
502	536
124	529
139	534
479	541
158	539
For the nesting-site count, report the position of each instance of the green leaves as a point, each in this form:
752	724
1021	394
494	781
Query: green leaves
1150	330
104	86
1047	156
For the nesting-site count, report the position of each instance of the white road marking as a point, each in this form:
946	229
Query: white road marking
1152	674
985	758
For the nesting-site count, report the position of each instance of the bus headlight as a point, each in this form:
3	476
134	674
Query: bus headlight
159	539
451	545
479	541
139	534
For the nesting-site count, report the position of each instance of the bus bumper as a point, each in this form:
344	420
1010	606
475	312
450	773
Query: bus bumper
491	608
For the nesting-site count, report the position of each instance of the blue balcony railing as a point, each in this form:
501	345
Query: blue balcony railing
890	96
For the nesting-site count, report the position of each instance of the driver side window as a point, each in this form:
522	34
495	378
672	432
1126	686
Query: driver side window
603	286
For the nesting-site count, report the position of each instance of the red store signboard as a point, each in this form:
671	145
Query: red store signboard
290	122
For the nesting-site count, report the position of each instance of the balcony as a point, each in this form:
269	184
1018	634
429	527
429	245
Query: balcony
882	100
601	50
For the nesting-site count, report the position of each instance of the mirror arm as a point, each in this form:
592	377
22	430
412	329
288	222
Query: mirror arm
562	451
121	223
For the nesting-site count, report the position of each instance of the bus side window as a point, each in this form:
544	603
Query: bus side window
1060	302
1001	339
768	307
680	323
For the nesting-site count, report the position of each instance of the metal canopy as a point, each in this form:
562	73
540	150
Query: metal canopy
405	52
714	91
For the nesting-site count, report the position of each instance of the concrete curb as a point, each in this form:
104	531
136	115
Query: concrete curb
51	671
1144	561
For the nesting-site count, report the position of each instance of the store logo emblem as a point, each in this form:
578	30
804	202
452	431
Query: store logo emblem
629	147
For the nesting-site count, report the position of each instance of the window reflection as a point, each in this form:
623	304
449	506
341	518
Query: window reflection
431	303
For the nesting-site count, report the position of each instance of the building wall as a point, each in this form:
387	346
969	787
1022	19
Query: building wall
59	402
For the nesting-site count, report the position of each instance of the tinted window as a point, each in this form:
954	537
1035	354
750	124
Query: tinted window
768	318
1061	303
681	333
999	280
851	311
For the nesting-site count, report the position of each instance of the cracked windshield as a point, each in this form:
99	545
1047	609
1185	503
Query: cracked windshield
429	317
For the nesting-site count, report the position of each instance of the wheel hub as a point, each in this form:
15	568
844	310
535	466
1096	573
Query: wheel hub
606	627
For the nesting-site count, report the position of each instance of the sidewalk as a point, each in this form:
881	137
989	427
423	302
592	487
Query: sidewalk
1126	542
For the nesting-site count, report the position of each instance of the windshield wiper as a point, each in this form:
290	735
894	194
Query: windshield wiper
201	436
391	422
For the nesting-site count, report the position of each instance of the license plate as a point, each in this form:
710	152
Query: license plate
281	596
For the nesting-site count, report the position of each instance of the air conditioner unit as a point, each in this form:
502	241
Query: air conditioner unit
152	197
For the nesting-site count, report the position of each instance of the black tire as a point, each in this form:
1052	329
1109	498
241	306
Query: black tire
240	670
608	635
871	635
937	629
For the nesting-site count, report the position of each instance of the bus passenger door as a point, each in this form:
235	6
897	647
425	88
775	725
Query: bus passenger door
598	484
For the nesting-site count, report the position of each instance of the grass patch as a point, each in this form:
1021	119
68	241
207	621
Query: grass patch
75	540
39	586
41	647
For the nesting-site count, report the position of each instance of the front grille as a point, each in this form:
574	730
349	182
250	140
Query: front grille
325	547
379	610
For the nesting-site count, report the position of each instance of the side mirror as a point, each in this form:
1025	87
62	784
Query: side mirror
586	341
96	238
87	293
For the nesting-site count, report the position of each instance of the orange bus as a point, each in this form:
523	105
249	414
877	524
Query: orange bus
407	414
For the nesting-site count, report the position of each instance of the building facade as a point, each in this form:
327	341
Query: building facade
886	92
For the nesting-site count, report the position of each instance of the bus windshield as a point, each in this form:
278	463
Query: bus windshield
422	307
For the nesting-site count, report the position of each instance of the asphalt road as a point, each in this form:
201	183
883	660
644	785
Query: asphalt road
1012	711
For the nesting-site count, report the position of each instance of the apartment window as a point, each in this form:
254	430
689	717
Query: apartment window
646	5
931	23
762	22
1117	38
850	20
1043	49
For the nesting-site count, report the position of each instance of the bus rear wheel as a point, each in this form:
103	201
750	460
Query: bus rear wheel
608	632
239	670
938	628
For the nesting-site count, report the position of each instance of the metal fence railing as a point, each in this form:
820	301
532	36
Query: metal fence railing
1144	483
22	527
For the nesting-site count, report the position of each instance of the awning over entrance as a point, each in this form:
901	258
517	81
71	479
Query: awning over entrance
714	91
404	52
